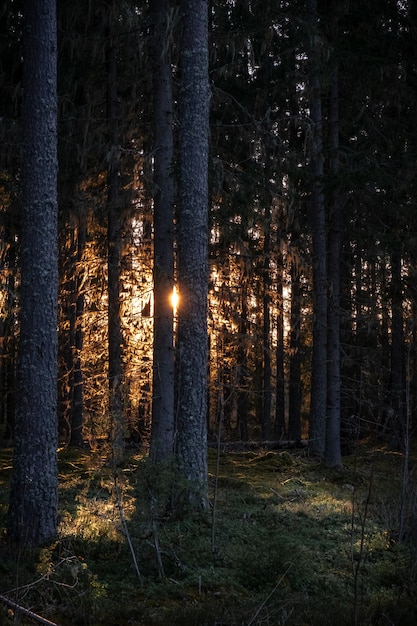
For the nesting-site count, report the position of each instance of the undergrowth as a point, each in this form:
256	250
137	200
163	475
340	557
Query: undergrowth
288	542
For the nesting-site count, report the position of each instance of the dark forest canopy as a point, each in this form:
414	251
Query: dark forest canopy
311	316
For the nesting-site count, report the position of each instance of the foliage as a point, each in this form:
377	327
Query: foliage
281	546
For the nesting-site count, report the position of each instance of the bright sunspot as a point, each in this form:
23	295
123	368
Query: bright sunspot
174	299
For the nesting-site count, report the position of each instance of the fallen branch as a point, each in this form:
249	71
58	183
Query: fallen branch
256	446
26	612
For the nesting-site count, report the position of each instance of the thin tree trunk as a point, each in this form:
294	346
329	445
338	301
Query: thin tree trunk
192	353
114	260
280	427
77	402
294	408
242	366
397	352
333	455
319	357
266	383
33	503
162	434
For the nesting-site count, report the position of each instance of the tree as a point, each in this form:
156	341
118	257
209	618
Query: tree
114	256
33	500
194	99
333	455
162	434
319	244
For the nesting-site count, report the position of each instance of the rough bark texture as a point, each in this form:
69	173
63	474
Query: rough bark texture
162	435
192	246
34	496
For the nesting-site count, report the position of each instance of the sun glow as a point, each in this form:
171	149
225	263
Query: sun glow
175	299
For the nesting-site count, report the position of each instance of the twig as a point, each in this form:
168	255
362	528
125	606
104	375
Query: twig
269	595
125	528
30	614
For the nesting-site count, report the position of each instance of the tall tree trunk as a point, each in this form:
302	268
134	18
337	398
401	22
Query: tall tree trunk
266	335
319	358
162	434
280	427
397	352
114	261
77	402
33	504
242	367
333	454
192	354
294	403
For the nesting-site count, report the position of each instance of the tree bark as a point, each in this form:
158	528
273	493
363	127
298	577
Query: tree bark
333	454
162	433
319	357
192	353
114	261
33	500
77	392
294	402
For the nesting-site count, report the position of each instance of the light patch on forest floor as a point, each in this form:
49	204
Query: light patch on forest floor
285	541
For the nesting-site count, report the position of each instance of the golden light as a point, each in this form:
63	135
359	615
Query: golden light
174	299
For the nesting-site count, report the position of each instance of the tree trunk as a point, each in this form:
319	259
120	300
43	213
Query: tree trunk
280	426
333	454
266	301
319	357
77	402
33	503
397	353
192	353
162	434
114	261
294	408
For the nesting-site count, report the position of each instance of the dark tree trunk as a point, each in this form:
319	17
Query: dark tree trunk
77	402
242	367
294	404
266	298
192	352
397	352
114	262
319	357
162	434
333	455
280	426
33	503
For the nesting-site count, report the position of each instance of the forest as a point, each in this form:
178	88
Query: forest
208	312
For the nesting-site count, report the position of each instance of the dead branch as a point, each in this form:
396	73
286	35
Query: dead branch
26	612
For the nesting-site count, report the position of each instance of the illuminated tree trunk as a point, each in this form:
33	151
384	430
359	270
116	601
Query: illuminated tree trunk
319	357
192	352
162	434
77	341
267	373
294	400
8	341
33	503
242	365
114	260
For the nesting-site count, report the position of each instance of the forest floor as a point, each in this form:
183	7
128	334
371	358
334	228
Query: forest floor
285	541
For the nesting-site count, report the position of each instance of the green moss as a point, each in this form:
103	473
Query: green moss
281	545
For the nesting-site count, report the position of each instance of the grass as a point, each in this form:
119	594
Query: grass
290	542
